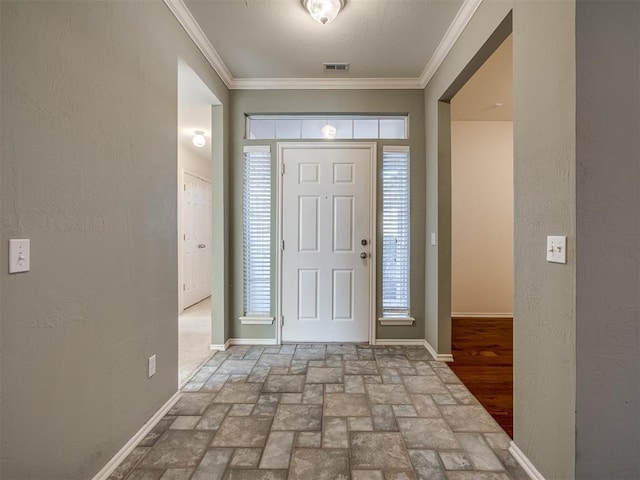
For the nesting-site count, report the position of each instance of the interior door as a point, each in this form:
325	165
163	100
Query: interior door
196	261
326	228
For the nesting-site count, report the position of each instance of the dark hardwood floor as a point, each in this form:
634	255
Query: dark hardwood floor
483	359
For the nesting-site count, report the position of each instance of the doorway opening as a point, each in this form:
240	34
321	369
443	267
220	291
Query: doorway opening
482	198
195	103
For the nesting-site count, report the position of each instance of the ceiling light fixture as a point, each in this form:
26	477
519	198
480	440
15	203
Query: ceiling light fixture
323	11
199	139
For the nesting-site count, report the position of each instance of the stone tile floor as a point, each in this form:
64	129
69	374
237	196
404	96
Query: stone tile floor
323	412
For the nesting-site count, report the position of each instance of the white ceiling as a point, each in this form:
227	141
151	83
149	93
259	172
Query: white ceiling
490	86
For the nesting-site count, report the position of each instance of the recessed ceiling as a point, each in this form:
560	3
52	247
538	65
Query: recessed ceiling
388	43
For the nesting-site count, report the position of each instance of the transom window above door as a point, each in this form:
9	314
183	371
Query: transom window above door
312	127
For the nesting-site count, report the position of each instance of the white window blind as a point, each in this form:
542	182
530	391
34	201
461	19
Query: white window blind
395	231
256	217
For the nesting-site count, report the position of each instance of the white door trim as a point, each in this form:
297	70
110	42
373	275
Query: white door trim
372	146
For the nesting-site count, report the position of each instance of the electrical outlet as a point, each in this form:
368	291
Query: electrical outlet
152	365
557	249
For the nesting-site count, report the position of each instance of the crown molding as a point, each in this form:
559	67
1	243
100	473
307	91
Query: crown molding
183	15
191	26
325	83
463	17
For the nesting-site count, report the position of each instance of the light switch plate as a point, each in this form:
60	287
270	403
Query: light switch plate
19	255
557	249
434	240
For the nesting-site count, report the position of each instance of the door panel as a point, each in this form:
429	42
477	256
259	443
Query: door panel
342	173
308	173
308	224
343	224
308	294
326	211
342	298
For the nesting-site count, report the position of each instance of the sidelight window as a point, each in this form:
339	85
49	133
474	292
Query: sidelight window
395	232
256	218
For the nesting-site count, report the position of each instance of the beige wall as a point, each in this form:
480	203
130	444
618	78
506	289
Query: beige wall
545	204
481	218
89	174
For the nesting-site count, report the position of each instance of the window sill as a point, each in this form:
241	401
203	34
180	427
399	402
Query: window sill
257	320
396	321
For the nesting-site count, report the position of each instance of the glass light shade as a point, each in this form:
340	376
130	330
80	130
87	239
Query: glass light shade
329	131
323	11
198	139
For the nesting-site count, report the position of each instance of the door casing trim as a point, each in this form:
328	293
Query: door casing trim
373	174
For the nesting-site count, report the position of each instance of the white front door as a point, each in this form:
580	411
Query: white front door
327	233
196	251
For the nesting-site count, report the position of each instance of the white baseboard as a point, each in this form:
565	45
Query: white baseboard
524	462
220	346
253	341
441	357
399	341
131	444
482	315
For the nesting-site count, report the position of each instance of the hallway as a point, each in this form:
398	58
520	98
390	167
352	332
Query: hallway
318	411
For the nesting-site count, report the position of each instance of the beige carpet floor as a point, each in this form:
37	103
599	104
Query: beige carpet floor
194	339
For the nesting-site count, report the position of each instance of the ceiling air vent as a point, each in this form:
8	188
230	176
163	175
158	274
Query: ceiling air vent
335	67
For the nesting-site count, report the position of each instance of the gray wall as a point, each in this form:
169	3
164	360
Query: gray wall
544	189
608	247
544	193
331	101
89	172
220	263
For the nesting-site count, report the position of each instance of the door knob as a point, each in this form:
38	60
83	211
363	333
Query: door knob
202	245
363	255
363	242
